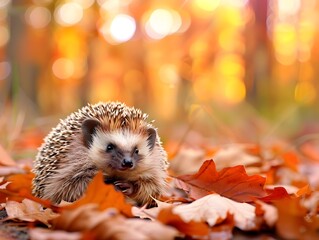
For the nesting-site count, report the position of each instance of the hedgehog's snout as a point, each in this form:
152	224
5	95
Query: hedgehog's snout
127	163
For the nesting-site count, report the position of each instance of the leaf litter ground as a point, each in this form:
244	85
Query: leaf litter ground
272	193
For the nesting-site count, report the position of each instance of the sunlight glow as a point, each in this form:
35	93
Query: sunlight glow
84	3
234	91
206	5
63	68
288	7
122	28
68	14
163	22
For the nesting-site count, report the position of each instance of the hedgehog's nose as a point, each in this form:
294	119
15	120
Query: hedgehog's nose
127	163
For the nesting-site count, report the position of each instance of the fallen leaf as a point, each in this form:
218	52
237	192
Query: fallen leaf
268	213
187	160
189	227
291	160
104	195
235	154
214	209
29	211
294	222
47	234
5	158
274	194
17	187
109	224
9	170
232	182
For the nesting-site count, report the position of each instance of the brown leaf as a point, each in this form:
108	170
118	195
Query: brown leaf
109	224
104	195
232	182
29	211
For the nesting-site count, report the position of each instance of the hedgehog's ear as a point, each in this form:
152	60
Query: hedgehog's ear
88	129
151	137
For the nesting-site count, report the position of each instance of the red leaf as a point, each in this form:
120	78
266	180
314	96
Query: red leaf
277	193
232	182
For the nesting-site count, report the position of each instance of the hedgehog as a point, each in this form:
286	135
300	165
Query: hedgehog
109	137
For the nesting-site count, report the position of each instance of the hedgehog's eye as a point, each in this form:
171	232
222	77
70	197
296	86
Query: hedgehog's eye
110	147
136	150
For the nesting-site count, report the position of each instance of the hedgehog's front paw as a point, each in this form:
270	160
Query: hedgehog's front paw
125	187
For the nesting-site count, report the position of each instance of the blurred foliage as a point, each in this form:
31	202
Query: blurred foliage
209	65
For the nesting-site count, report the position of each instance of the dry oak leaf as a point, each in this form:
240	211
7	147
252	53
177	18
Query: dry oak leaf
214	209
104	195
109	224
231	182
29	211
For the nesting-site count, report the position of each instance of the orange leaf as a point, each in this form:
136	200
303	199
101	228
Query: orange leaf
293	221
104	195
19	187
20	182
190	228
291	160
232	182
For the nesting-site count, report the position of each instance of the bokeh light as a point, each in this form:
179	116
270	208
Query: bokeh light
4	35
84	3
162	22
122	28
234	91
38	17
63	68
285	43
206	5
211	51
288	7
68	14
305	92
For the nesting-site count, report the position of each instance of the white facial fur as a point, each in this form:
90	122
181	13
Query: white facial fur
125	140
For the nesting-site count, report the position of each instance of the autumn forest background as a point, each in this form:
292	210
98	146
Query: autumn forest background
209	72
239	63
